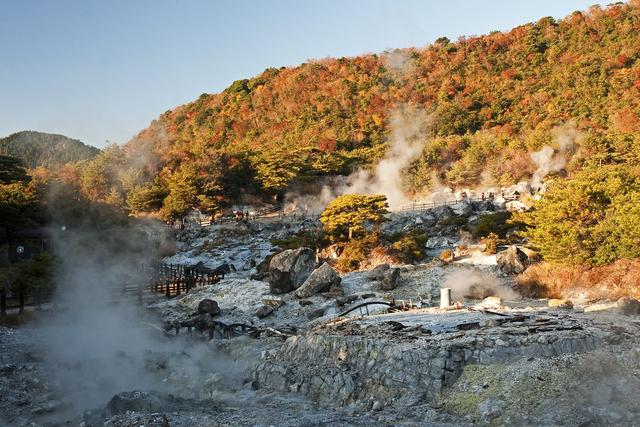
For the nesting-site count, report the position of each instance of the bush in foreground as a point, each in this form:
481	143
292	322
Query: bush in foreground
545	280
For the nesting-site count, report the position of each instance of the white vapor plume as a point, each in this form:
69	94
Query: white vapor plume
406	142
398	62
99	341
96	346
548	159
476	284
409	127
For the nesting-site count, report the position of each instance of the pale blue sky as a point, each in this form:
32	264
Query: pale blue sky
102	70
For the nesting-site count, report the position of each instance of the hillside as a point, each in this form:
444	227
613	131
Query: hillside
491	100
45	149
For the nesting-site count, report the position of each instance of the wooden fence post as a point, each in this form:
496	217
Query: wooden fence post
3	302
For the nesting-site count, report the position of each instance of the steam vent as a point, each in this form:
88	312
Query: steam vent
441	234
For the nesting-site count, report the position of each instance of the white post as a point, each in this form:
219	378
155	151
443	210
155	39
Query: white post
445	297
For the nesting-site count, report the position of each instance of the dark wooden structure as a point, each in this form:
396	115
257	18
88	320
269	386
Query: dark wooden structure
166	279
16	246
173	280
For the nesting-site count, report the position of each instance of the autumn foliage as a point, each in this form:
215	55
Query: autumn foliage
493	99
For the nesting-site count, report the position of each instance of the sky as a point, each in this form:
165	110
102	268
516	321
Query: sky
101	71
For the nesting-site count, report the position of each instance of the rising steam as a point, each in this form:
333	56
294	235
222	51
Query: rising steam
95	343
407	140
409	130
398	62
548	159
471	283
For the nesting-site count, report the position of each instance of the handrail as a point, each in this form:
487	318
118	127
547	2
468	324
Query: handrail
432	205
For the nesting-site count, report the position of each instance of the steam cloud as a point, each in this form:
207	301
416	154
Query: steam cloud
409	130
476	284
548	159
408	136
95	346
409	127
99	342
398	62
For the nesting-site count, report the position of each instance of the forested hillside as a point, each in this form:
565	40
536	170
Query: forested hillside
490	101
45	149
493	100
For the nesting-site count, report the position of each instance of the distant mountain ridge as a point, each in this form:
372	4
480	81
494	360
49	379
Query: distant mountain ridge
45	149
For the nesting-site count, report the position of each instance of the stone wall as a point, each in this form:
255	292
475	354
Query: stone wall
343	369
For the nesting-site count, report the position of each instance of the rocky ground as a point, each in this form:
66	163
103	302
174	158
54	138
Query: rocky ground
320	354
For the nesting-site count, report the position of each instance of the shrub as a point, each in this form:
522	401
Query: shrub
410	247
446	255
308	239
454	221
347	216
546	280
493	223
491	241
356	251
592	218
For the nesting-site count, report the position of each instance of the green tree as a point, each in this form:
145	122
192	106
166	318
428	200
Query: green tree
592	218
349	215
18	206
12	170
103	175
182	193
146	198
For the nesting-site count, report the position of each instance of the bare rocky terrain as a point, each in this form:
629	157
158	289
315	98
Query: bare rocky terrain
365	348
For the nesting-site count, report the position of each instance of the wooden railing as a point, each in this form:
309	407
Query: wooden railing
173	280
432	205
165	279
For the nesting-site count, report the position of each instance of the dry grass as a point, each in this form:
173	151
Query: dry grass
544	280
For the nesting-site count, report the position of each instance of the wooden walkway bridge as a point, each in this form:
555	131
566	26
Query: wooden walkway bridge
170	280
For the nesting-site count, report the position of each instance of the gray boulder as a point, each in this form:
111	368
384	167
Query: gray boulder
208	306
314	314
138	401
390	279
320	279
289	269
629	306
275	302
512	260
462	208
437	242
441	212
377	272
264	311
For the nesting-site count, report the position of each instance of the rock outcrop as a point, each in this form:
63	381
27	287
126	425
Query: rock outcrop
629	306
289	269
264	311
377	272
328	368
208	306
512	260
320	279
390	279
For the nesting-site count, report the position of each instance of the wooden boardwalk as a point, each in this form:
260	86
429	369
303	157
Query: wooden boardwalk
165	279
173	280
